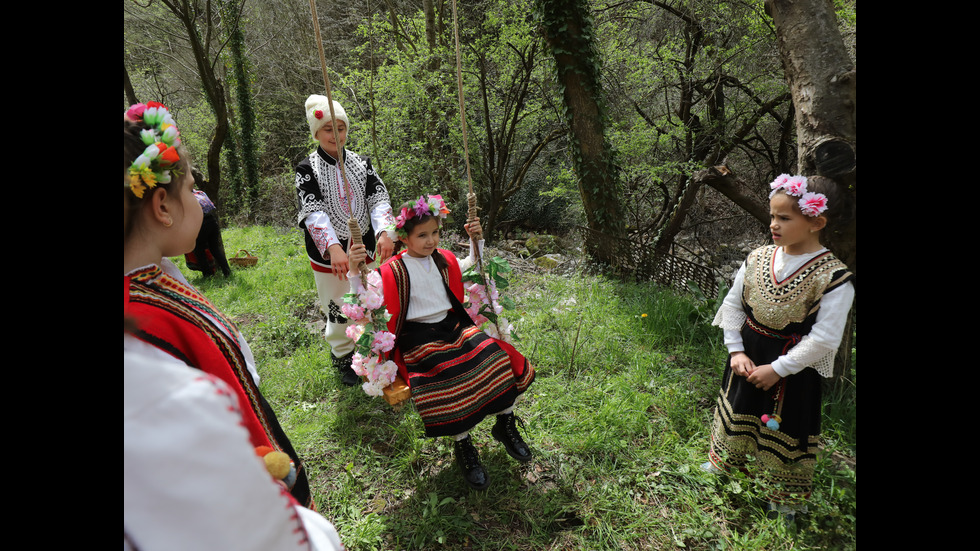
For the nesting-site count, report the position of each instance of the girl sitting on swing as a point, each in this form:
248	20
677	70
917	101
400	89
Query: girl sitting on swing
458	374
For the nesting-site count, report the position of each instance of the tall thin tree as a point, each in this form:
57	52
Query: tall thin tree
567	28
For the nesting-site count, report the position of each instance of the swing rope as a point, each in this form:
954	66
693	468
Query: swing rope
470	196
352	225
399	391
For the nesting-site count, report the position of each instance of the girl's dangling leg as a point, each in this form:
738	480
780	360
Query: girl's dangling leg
469	462
505	432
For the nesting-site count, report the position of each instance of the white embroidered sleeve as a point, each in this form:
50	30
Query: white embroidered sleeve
383	220
471	258
321	230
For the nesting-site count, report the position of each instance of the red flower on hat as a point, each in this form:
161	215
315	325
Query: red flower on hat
156	104
318	114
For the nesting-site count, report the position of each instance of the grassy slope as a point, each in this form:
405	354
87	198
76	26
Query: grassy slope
618	419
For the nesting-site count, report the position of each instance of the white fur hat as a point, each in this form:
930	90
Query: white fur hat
318	113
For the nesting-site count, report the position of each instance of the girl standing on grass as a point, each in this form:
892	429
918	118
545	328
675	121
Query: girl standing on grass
783	320
172	319
458	374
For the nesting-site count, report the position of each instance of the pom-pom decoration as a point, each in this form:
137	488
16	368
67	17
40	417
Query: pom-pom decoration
278	464
772	422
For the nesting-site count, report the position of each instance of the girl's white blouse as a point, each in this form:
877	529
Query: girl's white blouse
428	302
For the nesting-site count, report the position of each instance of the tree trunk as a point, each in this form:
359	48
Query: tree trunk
822	79
128	87
212	87
245	144
568	31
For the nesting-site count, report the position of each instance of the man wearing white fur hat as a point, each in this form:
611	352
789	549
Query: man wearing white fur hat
324	209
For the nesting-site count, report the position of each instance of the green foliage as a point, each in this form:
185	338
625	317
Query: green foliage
681	86
548	204
493	272
196	123
495	268
415	129
706	307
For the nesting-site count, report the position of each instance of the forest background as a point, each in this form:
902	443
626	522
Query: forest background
695	108
691	109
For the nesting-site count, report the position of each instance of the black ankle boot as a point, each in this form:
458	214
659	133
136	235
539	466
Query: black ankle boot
505	432
347	375
469	462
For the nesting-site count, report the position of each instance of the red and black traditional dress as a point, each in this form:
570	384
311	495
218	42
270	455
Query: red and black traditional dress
458	374
788	311
175	318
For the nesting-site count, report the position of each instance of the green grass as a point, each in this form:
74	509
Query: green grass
618	419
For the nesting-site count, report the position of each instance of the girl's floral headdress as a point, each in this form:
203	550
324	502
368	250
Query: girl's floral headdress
153	166
425	205
811	204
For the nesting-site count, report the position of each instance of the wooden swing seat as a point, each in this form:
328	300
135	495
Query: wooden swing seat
397	392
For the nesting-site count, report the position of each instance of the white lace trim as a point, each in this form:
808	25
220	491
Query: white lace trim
729	319
824	364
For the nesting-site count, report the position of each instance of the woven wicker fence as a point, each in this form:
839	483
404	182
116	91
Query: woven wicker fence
639	261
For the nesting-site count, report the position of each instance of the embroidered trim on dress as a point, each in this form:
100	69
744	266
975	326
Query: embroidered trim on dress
776	304
154	287
331	199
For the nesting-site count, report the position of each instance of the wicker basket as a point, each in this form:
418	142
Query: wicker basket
244	261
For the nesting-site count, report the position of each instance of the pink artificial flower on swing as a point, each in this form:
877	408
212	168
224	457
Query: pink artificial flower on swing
383	342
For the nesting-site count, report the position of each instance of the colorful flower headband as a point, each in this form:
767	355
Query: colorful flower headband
426	205
811	204
153	166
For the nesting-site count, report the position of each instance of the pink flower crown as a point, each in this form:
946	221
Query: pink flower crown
811	204
426	205
153	166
